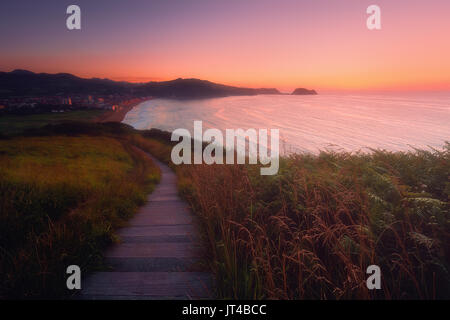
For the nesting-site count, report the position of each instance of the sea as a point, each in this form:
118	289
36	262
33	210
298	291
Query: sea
311	123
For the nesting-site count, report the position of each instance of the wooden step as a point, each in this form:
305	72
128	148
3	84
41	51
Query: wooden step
159	253
148	285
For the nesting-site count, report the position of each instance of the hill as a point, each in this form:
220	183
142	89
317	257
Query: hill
303	91
195	88
27	83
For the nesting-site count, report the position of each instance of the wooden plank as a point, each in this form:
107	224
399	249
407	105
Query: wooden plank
161	218
159	264
153	250
158	257
162	238
176	285
179	230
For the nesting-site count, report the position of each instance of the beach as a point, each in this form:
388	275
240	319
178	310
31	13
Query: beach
119	115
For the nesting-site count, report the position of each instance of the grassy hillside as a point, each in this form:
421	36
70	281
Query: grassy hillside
17	124
311	231
62	198
308	232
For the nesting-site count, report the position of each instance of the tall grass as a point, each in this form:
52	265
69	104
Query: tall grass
61	200
308	232
311	231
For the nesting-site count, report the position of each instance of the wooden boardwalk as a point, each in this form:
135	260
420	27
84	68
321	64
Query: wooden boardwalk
158	255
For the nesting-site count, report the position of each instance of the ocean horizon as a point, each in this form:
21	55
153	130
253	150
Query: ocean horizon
394	122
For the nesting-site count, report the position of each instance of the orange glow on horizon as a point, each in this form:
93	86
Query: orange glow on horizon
283	45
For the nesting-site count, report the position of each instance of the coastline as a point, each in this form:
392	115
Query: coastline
119	115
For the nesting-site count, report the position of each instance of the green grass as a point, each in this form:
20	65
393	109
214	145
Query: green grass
62	197
16	124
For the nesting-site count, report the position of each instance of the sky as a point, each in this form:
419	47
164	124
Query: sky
285	44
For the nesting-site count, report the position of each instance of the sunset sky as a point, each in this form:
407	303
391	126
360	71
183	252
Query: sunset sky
317	44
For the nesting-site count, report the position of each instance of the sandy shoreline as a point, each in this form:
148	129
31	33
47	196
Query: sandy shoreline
119	115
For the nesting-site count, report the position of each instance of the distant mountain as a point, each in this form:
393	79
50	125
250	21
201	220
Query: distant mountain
22	82
303	91
195	88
